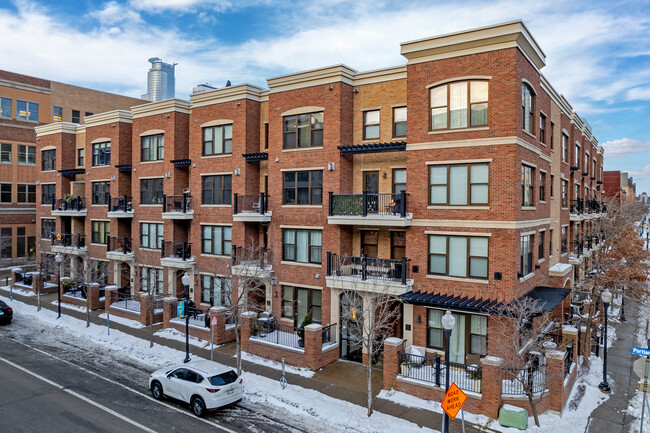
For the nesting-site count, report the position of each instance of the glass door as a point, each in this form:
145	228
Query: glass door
351	308
457	341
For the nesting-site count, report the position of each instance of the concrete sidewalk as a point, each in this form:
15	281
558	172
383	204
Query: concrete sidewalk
342	380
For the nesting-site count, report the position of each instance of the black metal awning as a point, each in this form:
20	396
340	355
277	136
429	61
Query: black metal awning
179	163
252	157
124	168
548	297
72	171
393	146
462	303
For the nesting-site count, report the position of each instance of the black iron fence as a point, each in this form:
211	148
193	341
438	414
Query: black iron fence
69	204
252	256
368	268
278	333
256	203
68	240
199	317
122	245
519	381
568	360
329	334
128	301
177	250
177	203
120	204
368	204
433	370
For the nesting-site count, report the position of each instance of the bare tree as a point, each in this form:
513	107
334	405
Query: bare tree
91	271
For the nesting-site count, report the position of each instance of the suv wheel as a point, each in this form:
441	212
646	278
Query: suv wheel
198	407
157	391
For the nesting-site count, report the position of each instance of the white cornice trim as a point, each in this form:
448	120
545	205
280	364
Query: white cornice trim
380	75
227	94
59	128
313	77
161	107
109	117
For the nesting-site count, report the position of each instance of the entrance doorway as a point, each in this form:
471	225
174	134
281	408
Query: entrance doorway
351	333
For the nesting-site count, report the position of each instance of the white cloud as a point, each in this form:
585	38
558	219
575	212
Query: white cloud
625	147
113	13
645	171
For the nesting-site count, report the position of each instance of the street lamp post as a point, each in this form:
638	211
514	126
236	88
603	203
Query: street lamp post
448	322
606	297
59	258
186	283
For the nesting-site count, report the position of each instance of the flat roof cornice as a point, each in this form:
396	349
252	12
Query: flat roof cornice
161	107
109	117
227	94
313	77
59	128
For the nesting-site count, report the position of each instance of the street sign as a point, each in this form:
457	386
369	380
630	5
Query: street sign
453	401
639	367
213	321
180	309
641	351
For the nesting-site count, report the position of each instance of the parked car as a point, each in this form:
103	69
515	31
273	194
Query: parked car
205	385
6	313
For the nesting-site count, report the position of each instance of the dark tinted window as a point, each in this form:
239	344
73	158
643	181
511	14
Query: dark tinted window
179	374
3	305
193	377
224	378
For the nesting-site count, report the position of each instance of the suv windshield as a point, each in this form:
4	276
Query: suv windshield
224	378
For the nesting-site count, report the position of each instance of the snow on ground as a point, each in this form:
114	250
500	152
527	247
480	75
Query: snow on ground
70	306
634	408
123	321
319	411
172	334
276	365
20	291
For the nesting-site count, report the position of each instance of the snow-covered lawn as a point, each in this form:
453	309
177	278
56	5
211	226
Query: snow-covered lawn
123	321
276	365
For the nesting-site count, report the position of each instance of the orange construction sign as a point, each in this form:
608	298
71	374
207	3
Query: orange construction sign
453	401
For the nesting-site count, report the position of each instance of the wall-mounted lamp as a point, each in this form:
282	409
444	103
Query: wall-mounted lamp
317	276
167	116
356	90
330	88
275	293
330	166
113	178
419	318
168	174
384	175
237	172
277	159
238	104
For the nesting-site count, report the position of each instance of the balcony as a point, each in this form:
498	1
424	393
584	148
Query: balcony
369	209
577	207
69	206
177	255
252	261
251	208
119	249
385	276
120	207
67	243
177	207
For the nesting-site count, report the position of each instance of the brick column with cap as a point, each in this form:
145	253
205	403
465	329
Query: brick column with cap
169	310
146	304
110	296
313	346
93	296
220	326
248	321
392	347
491	388
555	379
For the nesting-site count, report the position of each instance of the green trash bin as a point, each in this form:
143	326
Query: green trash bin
513	416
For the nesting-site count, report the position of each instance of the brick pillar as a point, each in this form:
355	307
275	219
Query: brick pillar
392	346
14	275
169	310
248	321
146	304
491	387
93	296
110	296
555	379
220	327
313	346
37	282
569	332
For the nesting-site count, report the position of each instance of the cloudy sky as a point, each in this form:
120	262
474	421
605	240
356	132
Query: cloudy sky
598	53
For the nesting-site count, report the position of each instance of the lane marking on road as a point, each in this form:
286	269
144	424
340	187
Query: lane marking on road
147	396
79	396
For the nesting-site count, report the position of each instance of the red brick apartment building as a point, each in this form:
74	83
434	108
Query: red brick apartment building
620	187
458	180
27	102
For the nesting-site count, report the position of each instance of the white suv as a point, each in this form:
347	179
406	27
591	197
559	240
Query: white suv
205	385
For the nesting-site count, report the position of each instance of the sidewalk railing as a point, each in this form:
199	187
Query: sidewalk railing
433	370
368	268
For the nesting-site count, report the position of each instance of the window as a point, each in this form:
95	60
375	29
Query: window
565	185
26	193
217	140
542	186
302	246
542	129
565	147
303	187
5	243
458	184
152	148
100	232
151	280
20	242
57	114
369	243
26	111
527	185
101	192
216	240
217	189
48	160
298	302
76	116
47	193
397	245
564	239
552	134
303	130
449	104
216	291
87	114
102	153
371	125
458	256
48	226
5	152
5	193
5	108
550	242
478	335
434	329
80	157
526	255
151	191
527	102
399	122
399	180
266	136
577	156
540	248
552	186
26	154
151	235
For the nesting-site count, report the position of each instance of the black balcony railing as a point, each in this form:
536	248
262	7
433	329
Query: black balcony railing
577	206
121	245
368	268
177	250
68	240
252	256
122	203
577	247
74	204
368	204
256	203
589	242
177	203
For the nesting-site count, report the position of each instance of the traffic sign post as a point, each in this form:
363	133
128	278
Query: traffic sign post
637	369
213	323
453	402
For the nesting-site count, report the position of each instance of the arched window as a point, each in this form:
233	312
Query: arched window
527	104
459	105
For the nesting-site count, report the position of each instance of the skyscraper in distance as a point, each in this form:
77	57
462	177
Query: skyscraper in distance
161	83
